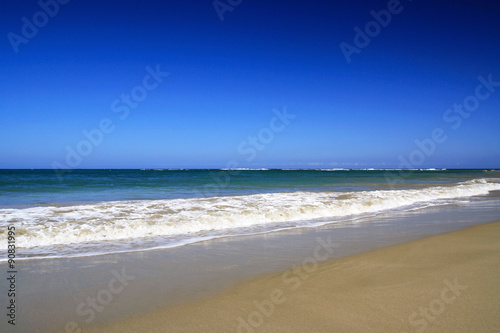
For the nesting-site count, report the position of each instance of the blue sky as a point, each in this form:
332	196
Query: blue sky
228	79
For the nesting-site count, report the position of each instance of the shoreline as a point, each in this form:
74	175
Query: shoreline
55	293
446	282
120	226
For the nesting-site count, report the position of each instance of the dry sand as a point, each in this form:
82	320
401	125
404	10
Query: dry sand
443	283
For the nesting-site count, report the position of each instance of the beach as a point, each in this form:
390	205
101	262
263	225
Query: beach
274	251
443	283
250	166
374	275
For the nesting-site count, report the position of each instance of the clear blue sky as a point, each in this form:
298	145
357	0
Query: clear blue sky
225	78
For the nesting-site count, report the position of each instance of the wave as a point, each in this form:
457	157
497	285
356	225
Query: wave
183	220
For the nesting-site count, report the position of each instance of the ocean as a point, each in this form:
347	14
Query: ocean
92	212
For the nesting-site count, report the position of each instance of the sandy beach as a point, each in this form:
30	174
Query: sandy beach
250	166
443	283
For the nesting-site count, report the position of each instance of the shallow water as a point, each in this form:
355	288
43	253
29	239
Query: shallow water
92	212
52	289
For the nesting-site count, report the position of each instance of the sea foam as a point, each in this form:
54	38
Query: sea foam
202	218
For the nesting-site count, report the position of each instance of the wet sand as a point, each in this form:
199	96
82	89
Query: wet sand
442	283
165	289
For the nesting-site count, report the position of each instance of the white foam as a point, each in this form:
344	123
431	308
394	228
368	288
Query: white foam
192	217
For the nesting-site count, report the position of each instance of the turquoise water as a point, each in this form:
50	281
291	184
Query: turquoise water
35	187
89	212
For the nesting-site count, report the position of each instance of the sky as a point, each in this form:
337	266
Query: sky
257	84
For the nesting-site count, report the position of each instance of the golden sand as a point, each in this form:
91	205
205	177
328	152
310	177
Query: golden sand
443	283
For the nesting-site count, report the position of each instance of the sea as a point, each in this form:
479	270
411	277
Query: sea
95	212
